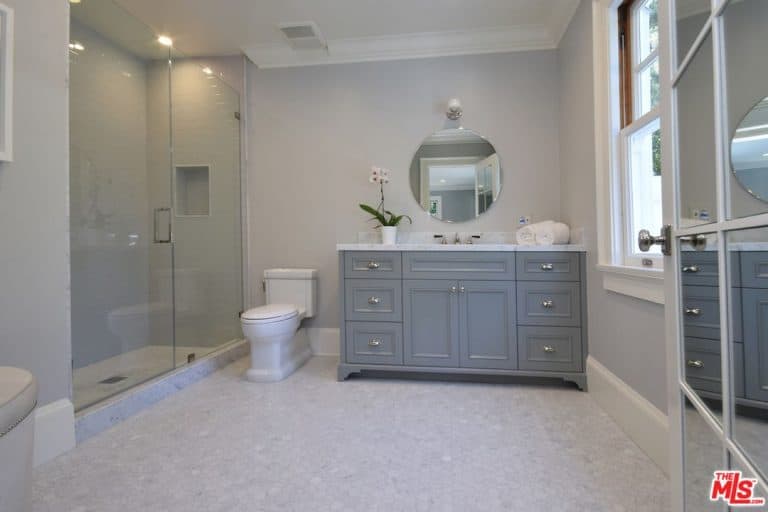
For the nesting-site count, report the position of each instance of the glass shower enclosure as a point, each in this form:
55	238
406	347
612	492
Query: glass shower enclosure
155	205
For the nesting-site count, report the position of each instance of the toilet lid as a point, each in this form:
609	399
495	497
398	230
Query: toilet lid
270	312
18	396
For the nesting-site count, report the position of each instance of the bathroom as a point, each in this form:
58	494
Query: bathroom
224	327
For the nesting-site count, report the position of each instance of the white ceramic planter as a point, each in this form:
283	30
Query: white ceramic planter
389	235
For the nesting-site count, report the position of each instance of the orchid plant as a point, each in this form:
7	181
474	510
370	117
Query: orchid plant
384	217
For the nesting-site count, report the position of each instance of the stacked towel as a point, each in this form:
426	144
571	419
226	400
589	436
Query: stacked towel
544	233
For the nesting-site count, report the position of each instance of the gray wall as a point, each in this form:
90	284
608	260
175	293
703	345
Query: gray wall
634	355
314	133
34	303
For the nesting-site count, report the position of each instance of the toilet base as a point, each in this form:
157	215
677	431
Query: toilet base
275	359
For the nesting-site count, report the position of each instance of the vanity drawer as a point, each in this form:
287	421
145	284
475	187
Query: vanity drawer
701	312
550	348
754	269
374	342
374	300
540	303
548	266
378	265
699	268
703	365
459	265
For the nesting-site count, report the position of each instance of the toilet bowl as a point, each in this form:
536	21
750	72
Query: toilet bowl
279	346
18	398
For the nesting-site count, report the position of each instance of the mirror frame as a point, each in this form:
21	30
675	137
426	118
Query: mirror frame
730	153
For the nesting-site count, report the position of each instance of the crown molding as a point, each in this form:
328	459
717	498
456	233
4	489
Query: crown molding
413	46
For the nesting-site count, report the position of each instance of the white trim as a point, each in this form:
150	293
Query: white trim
646	425
409	46
6	83
645	284
54	430
324	341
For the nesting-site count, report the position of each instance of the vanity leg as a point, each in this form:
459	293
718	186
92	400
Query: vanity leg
343	372
580	381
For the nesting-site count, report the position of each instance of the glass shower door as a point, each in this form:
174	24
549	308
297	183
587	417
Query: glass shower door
122	281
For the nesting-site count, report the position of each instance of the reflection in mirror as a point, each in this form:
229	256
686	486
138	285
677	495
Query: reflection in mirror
749	248
703	456
696	136
701	321
745	42
749	151
691	15
456	175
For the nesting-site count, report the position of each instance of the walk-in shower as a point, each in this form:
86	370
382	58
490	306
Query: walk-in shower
155	226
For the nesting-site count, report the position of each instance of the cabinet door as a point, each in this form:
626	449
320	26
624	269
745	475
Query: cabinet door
488	336
755	304
431	325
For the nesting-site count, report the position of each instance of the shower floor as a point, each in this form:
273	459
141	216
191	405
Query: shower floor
103	379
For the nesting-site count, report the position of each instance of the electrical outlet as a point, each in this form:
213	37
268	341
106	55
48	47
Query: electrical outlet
524	220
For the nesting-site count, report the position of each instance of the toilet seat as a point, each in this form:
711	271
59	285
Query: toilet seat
269	313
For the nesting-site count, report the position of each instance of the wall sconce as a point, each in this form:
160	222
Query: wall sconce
454	110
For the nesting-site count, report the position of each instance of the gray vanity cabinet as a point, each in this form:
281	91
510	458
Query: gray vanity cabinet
466	312
488	334
431	318
755	304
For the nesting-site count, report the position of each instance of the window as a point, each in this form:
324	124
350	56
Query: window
639	171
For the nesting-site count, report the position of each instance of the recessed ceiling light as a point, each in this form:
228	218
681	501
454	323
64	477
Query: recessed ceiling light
207	70
165	41
74	1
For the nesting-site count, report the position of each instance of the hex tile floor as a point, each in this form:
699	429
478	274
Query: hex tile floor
310	443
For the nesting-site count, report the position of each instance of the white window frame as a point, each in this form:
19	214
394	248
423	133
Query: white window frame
620	275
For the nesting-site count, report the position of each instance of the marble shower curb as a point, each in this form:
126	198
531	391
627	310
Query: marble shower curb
104	415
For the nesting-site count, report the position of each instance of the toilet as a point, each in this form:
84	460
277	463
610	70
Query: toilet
278	345
18	398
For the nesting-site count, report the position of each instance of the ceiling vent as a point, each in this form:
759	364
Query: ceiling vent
303	36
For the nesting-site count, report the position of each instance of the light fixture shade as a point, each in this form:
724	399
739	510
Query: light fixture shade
165	40
454	109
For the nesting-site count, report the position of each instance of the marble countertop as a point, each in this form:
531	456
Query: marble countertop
481	247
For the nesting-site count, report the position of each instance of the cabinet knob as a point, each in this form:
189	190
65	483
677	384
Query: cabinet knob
374	342
695	364
693	311
549	349
373	300
548	303
546	267
452	289
462	289
372	265
690	269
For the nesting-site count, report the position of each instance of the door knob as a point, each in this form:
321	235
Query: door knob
645	240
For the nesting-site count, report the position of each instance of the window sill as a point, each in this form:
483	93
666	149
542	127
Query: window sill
640	283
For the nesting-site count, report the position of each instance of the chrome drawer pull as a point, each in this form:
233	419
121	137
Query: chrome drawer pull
372	265
548	303
695	364
452	289
546	267
549	349
693	311
692	269
462	289
374	342
373	300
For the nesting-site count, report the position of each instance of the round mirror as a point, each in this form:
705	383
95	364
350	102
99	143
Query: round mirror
749	151
456	175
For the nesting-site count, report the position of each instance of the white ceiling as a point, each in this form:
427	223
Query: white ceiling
356	30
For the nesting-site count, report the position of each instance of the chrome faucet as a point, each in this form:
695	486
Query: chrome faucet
457	239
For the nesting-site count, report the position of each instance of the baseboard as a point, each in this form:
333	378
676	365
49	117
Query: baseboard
324	341
646	425
54	430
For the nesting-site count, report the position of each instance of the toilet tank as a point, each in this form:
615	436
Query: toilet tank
297	286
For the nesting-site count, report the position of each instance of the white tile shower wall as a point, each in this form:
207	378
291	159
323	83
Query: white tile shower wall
314	132
207	252
109	207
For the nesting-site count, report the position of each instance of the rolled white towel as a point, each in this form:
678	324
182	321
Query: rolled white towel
547	232
553	233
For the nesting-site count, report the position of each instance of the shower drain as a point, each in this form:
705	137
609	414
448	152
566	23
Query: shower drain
113	379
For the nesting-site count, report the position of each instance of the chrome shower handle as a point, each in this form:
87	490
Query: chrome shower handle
169	238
